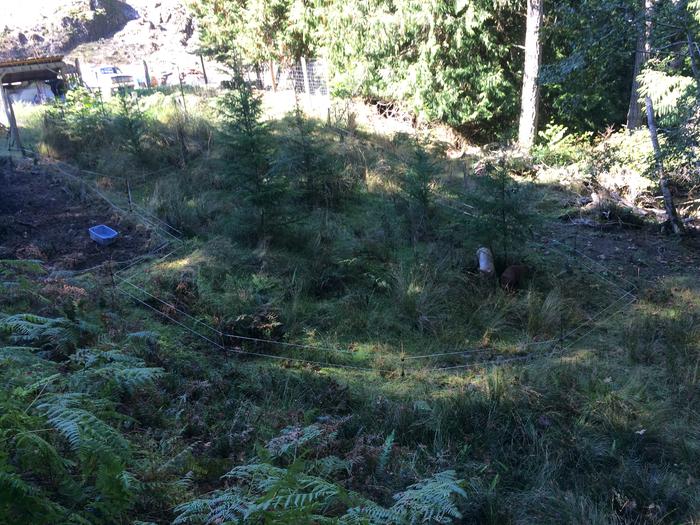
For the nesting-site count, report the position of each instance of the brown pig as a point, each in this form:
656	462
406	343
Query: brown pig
514	276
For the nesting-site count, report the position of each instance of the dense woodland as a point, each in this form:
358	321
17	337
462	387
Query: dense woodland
319	345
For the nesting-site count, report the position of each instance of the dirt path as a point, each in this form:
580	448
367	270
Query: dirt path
43	218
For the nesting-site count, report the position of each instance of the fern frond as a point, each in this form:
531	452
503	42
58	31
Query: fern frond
385	454
431	499
126	372
222	507
694	9
25	501
21	355
428	501
331	465
83	430
293	438
34	330
145	336
260	476
131	379
666	91
310	492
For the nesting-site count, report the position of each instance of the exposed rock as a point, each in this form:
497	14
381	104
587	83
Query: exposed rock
58	27
100	31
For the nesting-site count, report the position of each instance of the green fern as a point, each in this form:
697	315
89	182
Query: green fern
694	9
292	439
263	492
60	333
224	507
21	502
666	91
429	501
385	454
20	355
84	431
104	369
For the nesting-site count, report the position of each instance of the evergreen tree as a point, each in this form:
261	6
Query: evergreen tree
457	62
248	150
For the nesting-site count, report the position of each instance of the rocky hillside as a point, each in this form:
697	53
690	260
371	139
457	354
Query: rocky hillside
100	31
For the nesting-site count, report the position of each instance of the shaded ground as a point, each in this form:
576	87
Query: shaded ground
43	218
639	254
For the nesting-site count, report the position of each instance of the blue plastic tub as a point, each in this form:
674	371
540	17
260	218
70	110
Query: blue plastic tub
103	235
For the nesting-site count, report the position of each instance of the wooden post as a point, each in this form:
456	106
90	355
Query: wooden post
5	111
147	74
128	193
182	91
204	71
305	72
258	77
10	112
113	282
79	72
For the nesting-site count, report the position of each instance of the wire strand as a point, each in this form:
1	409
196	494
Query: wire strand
255	354
234	336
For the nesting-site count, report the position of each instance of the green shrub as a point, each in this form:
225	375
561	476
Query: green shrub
557	147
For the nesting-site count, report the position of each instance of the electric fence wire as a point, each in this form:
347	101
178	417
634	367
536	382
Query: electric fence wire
162	226
252	353
563	248
235	336
463	352
109	201
530	357
127	262
599	314
141	209
141	258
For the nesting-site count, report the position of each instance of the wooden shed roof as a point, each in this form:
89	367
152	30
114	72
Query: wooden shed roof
33	69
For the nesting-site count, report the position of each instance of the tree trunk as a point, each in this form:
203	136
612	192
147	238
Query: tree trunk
530	101
671	214
634	113
694	63
272	75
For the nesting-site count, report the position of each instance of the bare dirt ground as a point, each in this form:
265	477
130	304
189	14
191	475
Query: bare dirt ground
42	217
639	256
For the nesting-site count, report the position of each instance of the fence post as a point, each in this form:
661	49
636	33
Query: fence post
128	193
305	72
326	77
147	74
79	71
204	71
182	91
15	140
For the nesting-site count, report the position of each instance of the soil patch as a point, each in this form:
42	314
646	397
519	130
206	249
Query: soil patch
42	217
636	255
